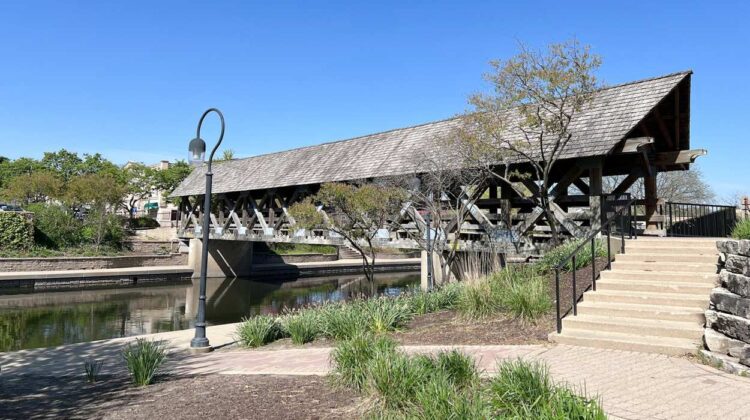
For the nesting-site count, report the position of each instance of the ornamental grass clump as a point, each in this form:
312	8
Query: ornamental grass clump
478	299
258	330
302	326
385	314
351	358
443	297
525	390
143	359
522	292
92	368
555	256
741	230
341	321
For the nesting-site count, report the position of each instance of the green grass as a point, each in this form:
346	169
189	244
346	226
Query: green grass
522	292
282	248
302	326
39	251
741	230
92	368
519	290
351	358
524	390
143	359
447	385
258	330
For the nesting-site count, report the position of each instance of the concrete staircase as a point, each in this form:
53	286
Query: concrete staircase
652	300
348	252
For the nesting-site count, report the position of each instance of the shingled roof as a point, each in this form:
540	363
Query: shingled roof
597	129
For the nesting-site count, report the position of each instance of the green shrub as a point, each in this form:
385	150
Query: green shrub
16	231
522	291
351	358
143	222
554	257
525	390
101	227
302	326
55	226
741	230
143	359
258	330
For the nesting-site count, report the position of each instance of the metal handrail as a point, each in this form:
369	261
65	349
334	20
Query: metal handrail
591	238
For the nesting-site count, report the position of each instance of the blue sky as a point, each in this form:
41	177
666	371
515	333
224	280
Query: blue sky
130	79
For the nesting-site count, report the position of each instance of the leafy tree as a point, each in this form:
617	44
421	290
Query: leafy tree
35	187
356	213
98	194
139	184
168	179
12	168
64	163
526	117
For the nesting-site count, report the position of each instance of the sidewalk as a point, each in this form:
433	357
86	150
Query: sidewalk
631	385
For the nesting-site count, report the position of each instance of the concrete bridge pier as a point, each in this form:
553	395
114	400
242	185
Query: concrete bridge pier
436	269
225	258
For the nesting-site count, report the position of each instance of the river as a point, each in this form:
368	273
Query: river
52	318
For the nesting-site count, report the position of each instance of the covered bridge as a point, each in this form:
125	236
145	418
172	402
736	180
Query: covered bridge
634	130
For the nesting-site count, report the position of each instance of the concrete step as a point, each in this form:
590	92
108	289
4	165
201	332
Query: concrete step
648	257
674	241
682	267
629	342
641	248
638	326
685	277
632	310
648	298
657	286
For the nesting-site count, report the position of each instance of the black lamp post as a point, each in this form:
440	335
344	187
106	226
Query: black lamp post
197	150
428	222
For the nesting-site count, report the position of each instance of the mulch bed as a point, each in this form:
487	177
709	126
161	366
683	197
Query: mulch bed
449	328
211	396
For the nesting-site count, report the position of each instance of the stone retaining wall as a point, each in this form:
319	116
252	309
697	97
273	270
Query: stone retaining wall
89	263
727	334
152	247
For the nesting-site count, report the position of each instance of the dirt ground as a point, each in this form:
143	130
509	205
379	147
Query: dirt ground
211	396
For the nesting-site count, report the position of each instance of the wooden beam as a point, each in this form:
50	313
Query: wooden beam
677	117
677	158
582	186
562	185
627	182
635	144
663	128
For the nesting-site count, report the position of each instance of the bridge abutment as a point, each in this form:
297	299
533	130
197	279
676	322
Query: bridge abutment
225	258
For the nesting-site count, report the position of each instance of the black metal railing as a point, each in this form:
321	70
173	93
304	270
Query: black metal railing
617	212
699	220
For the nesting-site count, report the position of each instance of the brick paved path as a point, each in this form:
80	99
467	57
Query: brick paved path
632	385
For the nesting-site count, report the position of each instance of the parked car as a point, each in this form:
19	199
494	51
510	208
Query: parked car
10	207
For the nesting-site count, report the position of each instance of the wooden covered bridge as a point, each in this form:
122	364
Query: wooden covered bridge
633	130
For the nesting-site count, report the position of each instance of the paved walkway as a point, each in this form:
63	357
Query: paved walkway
632	385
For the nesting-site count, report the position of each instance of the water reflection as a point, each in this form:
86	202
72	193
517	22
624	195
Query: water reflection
46	319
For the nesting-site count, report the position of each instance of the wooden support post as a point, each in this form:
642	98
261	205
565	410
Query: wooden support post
595	196
649	183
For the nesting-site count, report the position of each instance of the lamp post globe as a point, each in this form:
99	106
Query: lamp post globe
197	149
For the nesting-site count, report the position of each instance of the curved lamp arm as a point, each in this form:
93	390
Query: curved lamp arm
221	135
